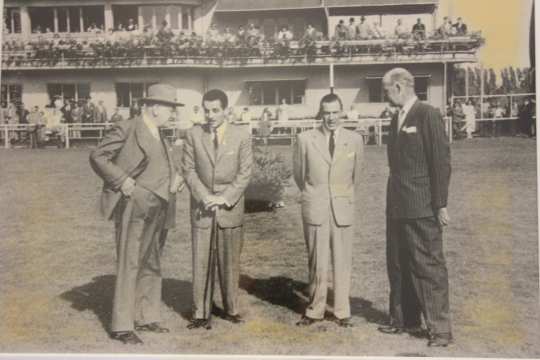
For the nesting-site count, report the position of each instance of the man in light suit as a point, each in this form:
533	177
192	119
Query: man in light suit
217	167
327	165
140	182
419	159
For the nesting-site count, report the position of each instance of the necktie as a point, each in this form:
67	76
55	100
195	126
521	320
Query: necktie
401	118
332	143
215	139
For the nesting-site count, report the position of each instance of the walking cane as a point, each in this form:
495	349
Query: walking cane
211	274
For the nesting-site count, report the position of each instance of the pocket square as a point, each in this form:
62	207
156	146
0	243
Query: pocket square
409	130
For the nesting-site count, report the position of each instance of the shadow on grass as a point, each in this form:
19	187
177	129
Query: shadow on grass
292	294
97	296
255	206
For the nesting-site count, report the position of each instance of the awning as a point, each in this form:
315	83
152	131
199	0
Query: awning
262	5
356	3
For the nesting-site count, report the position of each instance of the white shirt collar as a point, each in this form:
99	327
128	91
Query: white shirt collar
408	105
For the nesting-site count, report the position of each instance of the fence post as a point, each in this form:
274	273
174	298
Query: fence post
6	137
66	129
379	132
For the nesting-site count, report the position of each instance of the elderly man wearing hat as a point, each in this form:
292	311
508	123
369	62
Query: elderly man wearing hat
140	185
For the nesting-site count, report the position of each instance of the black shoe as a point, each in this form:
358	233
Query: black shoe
346	322
152	327
235	319
307	321
440	340
391	329
126	337
199	323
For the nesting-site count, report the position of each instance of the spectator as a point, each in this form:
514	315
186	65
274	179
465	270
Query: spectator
36	121
419	30
131	25
11	114
460	29
285	35
352	30
116	116
445	30
378	31
283	110
101	113
469	113
66	111
265	127
310	33
400	31
212	34
340	31
164	33
22	114
245	116
364	30
135	109
241	34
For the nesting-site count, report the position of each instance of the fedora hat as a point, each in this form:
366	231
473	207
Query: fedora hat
162	94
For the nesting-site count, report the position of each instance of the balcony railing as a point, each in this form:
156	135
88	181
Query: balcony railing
102	55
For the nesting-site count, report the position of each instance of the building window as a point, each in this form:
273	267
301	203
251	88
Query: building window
74	92
273	92
66	19
10	93
376	92
12	20
127	93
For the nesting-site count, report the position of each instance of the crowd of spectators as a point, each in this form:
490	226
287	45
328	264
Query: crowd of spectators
128	44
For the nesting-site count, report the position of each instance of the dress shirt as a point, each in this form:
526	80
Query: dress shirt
405	110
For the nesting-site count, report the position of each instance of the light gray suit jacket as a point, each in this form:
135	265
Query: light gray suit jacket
328	184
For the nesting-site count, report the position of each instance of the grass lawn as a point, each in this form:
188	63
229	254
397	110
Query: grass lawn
57	268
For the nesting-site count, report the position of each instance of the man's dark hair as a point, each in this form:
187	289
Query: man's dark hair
216	94
329	98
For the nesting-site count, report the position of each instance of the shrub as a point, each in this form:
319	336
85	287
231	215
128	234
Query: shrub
270	175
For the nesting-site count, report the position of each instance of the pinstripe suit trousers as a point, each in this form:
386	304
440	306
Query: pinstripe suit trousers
417	274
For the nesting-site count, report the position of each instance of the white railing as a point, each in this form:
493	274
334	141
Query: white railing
280	130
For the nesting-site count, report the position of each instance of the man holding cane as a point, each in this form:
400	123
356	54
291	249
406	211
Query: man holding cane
217	166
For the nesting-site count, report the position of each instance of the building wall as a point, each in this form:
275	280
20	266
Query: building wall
350	83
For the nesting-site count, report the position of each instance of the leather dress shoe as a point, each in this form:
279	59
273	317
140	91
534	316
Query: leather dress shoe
346	322
235	319
440	340
126	337
307	321
152	327
199	323
415	331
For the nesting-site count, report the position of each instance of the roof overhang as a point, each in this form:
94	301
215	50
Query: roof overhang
265	5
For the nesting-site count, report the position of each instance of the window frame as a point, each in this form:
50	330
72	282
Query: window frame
78	86
422	96
276	87
7	93
131	84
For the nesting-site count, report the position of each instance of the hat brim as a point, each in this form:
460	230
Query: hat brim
160	101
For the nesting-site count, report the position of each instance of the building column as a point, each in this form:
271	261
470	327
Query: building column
180	17
81	20
434	17
68	20
190	18
55	26
108	16
140	19
154	19
168	16
26	26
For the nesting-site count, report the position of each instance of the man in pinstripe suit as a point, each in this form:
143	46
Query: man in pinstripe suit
419	159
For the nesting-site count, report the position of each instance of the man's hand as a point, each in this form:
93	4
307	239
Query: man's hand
213	202
442	217
128	186
177	185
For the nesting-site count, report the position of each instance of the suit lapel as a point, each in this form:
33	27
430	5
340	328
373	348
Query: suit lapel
320	143
144	137
410	115
224	145
341	144
206	139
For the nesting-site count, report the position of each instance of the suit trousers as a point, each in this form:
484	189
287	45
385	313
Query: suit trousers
139	220
417	274
229	246
321	240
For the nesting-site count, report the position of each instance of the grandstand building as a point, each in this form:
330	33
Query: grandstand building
301	74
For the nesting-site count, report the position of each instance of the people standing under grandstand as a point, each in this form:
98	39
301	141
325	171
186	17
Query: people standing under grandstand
116	116
419	30
327	166
460	29
101	113
469	113
241	34
141	180
352	30
378	31
340	31
526	119
282	111
131	25
310	33
66	111
265	126
135	109
446	29
36	122
217	165
400	31
417	195
364	30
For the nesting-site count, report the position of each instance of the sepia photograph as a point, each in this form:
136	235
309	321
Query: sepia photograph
268	178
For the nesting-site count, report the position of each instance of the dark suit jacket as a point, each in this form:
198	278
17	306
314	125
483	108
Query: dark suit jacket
419	159
121	154
226	174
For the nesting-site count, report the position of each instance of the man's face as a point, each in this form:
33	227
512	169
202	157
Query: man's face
331	115
214	113
161	114
393	93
